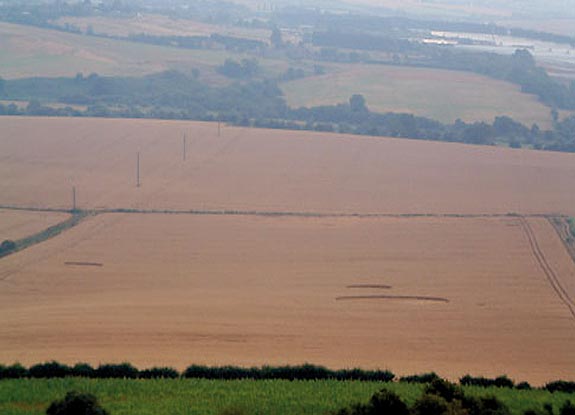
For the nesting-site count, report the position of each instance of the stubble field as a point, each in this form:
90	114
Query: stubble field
438	94
279	262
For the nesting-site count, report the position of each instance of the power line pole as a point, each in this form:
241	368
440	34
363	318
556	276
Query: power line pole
184	149
73	198
138	170
219	128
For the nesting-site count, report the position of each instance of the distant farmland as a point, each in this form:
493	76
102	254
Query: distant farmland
438	94
273	247
28	51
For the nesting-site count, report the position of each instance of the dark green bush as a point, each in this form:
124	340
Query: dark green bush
501	381
83	370
560	386
49	370
444	389
492	406
567	409
301	372
382	402
159	372
123	370
430	405
523	386
76	404
15	371
7	246
423	378
366	375
387	402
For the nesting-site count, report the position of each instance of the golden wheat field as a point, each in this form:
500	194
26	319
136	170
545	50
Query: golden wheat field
269	170
19	224
462	288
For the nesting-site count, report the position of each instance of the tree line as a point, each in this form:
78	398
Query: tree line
257	103
53	369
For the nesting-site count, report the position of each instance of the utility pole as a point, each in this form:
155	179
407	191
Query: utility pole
184	149
138	170
73	198
219	128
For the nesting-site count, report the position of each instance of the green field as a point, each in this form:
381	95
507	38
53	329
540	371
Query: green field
181	396
438	94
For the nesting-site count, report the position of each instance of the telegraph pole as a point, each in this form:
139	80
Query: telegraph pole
73	198
184	148
138	170
219	128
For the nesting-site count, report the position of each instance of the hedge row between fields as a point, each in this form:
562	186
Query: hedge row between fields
54	369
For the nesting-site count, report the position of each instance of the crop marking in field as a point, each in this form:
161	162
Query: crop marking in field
393	297
84	264
374	286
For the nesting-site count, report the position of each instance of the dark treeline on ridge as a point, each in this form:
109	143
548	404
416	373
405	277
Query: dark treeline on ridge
173	95
52	370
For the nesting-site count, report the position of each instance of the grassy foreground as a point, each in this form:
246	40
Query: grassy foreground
197	396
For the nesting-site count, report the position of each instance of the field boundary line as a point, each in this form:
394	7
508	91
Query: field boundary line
45	234
277	213
550	274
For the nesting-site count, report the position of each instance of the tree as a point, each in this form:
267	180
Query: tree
76	404
357	103
387	402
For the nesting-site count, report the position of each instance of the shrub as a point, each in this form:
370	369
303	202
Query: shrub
382	402
368	375
76	404
523	386
16	371
7	246
123	370
423	378
387	402
49	370
83	370
159	372
567	409
302	372
430	405
501	381
560	386
492	406
444	389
